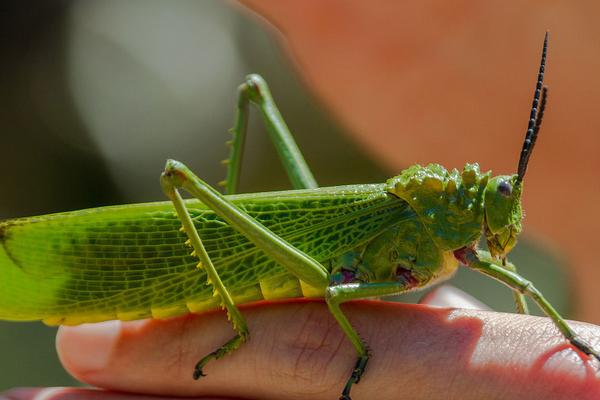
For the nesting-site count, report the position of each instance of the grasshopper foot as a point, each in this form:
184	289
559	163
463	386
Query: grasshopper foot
228	347
198	373
357	373
585	348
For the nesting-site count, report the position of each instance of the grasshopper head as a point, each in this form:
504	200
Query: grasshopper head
503	212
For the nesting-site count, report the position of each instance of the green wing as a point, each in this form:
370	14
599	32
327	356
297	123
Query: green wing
130	262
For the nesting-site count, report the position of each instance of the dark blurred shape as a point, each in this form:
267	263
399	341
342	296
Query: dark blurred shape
35	105
40	168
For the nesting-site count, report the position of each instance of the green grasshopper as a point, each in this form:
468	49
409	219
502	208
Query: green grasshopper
338	243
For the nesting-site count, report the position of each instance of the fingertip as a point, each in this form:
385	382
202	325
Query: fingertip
87	348
20	393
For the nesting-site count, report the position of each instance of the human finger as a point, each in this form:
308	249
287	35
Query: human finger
296	350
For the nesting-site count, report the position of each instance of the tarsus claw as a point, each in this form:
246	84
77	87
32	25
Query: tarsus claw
585	348
198	373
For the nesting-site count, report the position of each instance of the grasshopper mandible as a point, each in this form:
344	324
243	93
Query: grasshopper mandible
338	243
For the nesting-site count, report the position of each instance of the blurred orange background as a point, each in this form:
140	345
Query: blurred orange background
452	82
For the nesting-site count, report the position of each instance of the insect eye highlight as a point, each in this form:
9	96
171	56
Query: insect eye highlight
505	189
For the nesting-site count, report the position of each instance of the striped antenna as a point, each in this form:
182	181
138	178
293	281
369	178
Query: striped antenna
535	118
540	116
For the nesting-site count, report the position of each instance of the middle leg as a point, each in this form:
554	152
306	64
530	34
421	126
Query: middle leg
339	294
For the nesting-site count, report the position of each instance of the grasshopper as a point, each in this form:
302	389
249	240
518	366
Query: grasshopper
339	243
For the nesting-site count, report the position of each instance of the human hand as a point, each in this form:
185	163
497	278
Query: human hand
297	351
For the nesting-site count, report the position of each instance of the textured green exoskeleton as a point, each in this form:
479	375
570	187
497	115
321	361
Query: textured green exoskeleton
340	243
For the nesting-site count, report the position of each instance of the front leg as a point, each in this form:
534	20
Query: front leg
482	262
519	297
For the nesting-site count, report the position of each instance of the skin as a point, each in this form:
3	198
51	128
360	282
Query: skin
486	354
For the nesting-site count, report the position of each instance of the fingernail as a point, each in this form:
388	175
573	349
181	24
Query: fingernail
449	296
87	348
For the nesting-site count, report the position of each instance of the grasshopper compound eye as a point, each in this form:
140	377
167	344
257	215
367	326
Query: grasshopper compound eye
505	189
